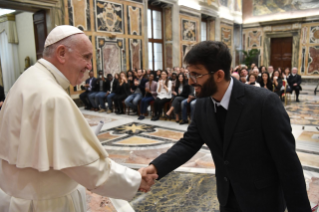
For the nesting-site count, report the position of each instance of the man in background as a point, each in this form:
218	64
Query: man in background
294	81
90	86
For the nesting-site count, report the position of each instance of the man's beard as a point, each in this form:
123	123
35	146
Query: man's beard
209	88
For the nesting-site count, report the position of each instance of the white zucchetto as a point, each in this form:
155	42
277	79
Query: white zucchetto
61	32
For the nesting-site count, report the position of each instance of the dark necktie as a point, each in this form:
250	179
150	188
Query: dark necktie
221	114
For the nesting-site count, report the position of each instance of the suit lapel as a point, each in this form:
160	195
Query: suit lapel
213	128
234	110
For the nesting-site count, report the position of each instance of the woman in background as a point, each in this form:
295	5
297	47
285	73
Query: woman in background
277	82
122	91
265	81
252	80
164	95
182	91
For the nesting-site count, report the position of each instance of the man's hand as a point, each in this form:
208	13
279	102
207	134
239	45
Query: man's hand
136	83
149	174
86	85
174	93
295	84
1	103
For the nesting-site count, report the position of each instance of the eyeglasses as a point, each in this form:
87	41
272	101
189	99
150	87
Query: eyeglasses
194	77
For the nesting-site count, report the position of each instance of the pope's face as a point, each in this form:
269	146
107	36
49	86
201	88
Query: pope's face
78	61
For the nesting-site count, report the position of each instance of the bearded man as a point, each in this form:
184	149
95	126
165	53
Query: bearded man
248	133
48	151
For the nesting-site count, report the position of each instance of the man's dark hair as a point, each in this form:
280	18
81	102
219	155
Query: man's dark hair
213	55
109	75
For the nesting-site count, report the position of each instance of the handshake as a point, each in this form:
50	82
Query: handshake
149	175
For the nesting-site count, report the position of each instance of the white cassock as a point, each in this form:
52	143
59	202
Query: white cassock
48	152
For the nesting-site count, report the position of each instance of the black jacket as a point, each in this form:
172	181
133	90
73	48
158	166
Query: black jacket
294	79
94	84
186	91
257	156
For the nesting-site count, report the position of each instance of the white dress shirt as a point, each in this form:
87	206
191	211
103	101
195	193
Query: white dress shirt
226	98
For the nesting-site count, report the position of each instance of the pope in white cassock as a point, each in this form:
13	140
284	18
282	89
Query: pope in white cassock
48	151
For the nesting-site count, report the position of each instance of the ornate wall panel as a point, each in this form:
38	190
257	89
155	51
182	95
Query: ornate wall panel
168	24
211	25
253	39
110	55
309	51
134	21
109	17
226	34
189	30
190	33
135	46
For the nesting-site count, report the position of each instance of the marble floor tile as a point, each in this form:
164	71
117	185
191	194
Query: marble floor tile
179	192
137	141
170	134
308	159
97	203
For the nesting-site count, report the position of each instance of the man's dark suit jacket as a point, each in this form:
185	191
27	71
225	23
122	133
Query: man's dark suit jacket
294	79
257	157
95	86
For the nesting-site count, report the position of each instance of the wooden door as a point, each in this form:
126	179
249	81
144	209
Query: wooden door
281	53
40	31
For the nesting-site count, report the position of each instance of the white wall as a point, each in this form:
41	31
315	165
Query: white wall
24	22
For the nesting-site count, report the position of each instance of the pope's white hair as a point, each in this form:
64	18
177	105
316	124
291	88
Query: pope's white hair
68	42
294	68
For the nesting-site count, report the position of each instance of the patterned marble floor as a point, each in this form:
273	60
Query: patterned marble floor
191	187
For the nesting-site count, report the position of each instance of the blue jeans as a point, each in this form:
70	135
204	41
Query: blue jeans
91	98
144	103
185	105
132	100
99	97
109	100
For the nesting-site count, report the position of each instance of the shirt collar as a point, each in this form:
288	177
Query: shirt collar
226	98
64	82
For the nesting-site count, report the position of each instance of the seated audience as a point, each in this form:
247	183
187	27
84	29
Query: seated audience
164	95
111	93
182	91
252	80
107	91
150	95
294	81
235	75
266	81
190	101
137	90
262	69
255	71
90	86
243	79
276	82
122	91
244	73
101	87
270	71
2	96
285	74
158	75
